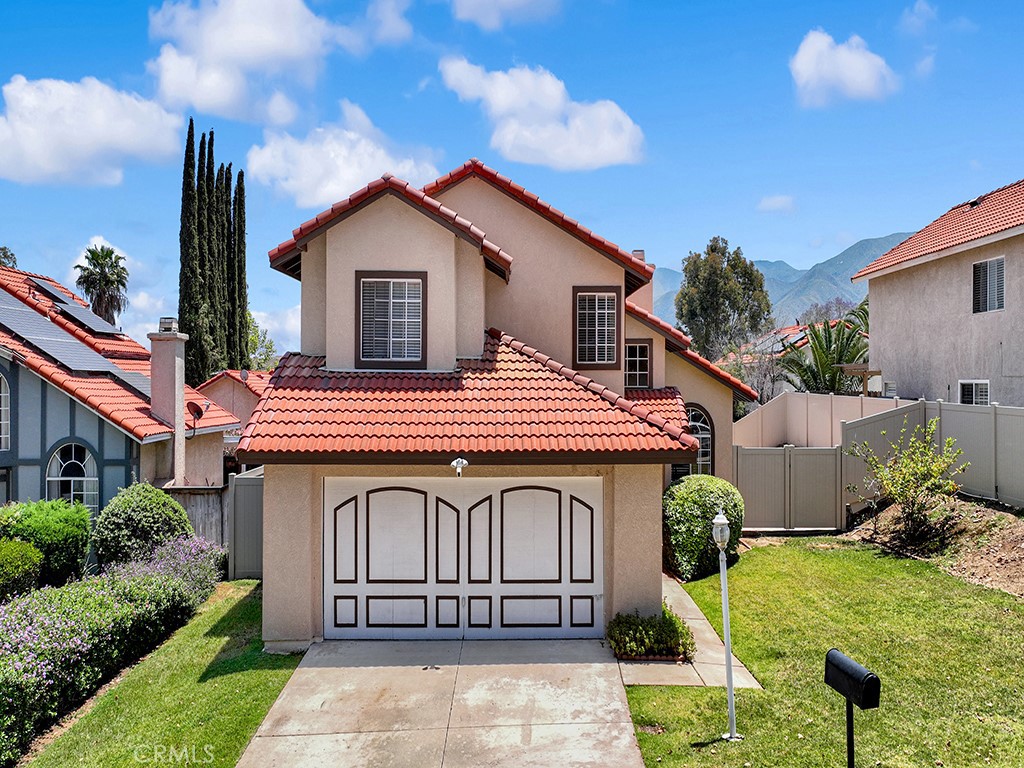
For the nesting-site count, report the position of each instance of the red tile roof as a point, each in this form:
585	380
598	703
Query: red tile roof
637	269
998	211
513	404
255	381
285	257
113	400
679	343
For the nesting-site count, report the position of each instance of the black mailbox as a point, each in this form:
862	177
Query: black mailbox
853	681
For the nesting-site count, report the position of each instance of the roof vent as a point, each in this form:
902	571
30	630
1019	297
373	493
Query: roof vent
168	325
976	201
639	253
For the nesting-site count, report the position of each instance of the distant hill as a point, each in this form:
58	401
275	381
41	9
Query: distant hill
793	290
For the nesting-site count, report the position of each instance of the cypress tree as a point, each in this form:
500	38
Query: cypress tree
188	272
200	348
211	289
217	207
230	273
242	289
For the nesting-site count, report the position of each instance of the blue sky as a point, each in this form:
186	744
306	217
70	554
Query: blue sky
792	129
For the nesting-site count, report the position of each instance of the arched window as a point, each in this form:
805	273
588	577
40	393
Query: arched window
71	475
5	415
703	429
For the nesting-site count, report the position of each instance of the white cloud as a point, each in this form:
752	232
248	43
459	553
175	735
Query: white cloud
776	204
79	132
915	19
333	161
536	122
925	65
283	326
823	69
492	15
225	57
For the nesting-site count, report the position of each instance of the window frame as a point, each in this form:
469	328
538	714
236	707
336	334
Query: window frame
974	386
615	290
373	364
975	300
649	343
690	407
5	414
59	478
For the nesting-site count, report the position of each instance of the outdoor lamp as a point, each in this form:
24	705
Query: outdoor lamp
458	465
720	533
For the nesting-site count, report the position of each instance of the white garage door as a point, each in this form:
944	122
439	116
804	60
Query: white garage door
463	557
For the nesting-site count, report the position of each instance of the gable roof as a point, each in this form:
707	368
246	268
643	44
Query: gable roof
254	381
638	272
110	398
512	404
1000	213
287	256
678	343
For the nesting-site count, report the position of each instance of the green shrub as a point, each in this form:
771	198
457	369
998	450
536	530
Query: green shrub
136	521
57	529
688	508
20	563
631	634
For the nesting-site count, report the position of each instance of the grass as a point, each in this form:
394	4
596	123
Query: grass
950	657
202	694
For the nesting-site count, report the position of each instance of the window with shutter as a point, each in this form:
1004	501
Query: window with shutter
596	328
988	285
391	317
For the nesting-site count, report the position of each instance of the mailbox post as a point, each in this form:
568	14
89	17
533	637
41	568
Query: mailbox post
856	684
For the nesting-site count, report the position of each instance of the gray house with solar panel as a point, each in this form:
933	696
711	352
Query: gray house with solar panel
85	410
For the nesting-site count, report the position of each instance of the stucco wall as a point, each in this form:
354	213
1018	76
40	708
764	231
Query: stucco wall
699	388
313	312
204	459
637	330
236	398
390	235
293	537
537	304
925	337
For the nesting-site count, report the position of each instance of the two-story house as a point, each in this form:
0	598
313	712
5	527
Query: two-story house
85	409
475	435
946	316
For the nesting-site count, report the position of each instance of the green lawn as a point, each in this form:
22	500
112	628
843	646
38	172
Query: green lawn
202	694
950	657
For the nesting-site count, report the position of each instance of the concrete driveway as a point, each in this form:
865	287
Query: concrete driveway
457	704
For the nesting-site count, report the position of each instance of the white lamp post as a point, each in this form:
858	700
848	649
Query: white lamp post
720	533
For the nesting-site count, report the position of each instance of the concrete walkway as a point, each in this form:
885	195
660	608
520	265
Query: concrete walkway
708	667
450	704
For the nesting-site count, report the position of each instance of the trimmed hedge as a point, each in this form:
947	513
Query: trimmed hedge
136	521
632	635
59	644
20	563
688	508
57	529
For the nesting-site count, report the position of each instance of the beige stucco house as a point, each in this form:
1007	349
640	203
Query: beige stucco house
475	435
946	319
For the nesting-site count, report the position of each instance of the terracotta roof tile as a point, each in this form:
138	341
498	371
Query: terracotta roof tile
512	402
995	212
640	271
283	256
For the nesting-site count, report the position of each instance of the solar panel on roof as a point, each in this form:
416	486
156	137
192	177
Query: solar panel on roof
49	290
89	319
61	345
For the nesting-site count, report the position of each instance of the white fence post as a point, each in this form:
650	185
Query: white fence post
787	514
995	451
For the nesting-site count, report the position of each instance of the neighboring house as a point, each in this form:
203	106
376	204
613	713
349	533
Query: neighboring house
946	312
475	435
237	392
84	409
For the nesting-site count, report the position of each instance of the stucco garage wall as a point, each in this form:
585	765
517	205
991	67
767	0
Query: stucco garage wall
293	537
697	387
233	397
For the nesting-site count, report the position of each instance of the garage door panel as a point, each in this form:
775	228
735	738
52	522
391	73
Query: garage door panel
582	611
581	542
396	536
346	541
480	612
387	611
447	612
481	536
531	535
531	612
346	611
447	549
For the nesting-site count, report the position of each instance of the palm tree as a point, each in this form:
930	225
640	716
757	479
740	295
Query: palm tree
860	316
104	281
814	367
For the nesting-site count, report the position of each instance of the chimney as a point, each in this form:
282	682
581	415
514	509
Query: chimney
167	387
643	297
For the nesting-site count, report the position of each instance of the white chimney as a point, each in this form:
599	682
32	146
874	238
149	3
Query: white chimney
644	296
167	386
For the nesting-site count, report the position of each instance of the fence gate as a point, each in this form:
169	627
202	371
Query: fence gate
245	559
790	488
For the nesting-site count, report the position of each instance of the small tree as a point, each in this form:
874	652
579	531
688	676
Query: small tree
815	367
262	351
104	281
916	473
7	257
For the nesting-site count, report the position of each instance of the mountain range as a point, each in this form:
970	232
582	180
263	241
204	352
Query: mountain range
793	290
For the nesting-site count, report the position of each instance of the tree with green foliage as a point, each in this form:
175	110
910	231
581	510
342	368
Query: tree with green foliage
821	312
814	367
262	351
104	281
190	294
241	316
860	317
722	301
7	257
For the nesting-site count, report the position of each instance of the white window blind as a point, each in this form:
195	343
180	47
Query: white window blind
974	393
988	285
391	320
596	318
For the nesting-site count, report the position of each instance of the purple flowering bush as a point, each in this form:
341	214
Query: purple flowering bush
59	644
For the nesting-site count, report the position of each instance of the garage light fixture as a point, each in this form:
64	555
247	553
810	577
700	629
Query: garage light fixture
458	465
